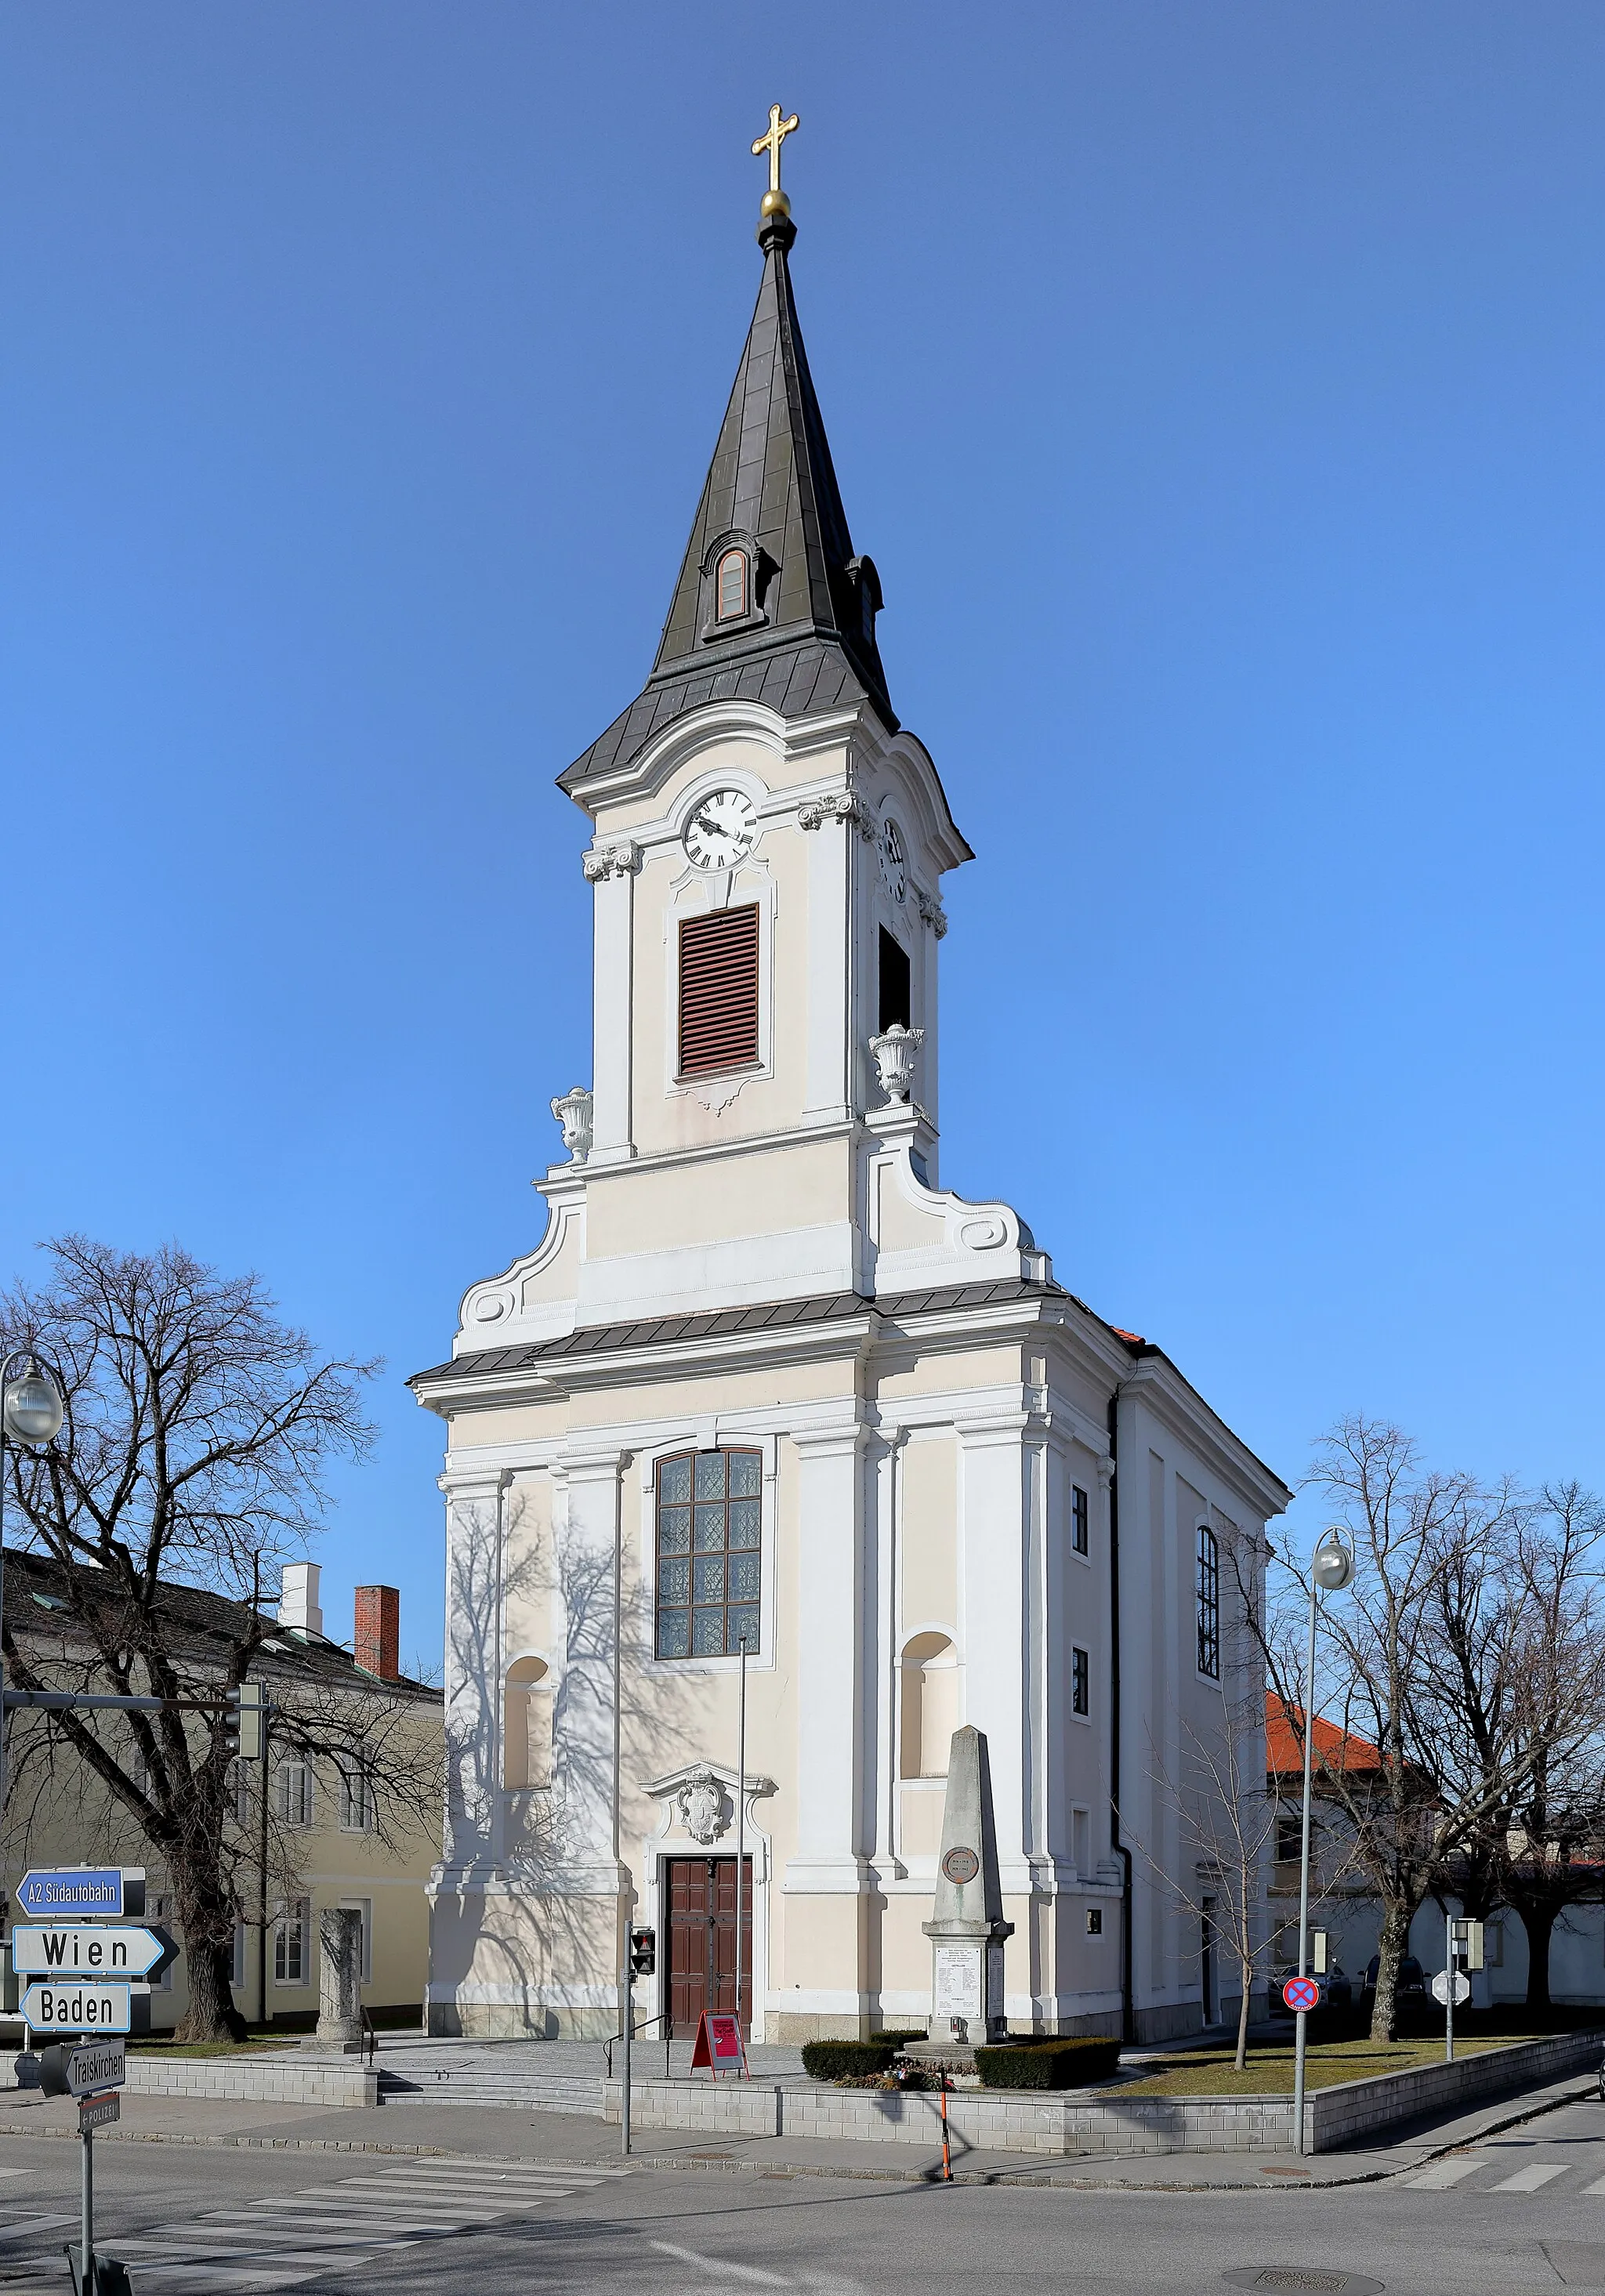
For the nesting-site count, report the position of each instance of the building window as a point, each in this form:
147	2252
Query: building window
292	1793
1081	1682
1080	1521
897	991
709	1508
290	1942
356	1795
363	1907
719	990
931	1705
1208	1602
732	581
236	1975
1290	1840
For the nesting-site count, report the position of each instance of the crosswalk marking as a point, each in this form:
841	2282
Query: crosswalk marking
281	2240
1529	2180
1445	2173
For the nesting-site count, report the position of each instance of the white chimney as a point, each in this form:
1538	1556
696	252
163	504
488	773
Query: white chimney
298	1605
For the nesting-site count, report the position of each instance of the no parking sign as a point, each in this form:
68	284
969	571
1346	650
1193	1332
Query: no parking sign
1301	1994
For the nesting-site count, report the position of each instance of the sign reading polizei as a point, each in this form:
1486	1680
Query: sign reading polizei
47	1951
98	2112
83	2071
77	2008
74	1893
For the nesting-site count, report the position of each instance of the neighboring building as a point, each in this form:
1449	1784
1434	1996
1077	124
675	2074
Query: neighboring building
765	1377
323	1819
1343	1904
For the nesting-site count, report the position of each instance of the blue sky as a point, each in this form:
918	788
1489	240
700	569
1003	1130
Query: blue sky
1217	388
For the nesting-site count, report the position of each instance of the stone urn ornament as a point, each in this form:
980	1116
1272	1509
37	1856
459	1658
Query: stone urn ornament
895	1051
573	1111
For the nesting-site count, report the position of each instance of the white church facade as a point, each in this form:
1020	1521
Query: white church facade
764	1381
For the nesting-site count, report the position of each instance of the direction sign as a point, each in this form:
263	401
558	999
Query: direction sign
1440	1987
83	2071
77	2008
82	1893
1302	1993
71	1952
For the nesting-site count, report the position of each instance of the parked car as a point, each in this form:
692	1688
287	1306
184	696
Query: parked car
1410	1980
1335	1990
1601	2077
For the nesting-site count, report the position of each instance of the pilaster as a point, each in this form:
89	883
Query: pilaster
832	1620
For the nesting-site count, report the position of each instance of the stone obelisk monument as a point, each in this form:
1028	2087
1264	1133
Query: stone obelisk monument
967	1929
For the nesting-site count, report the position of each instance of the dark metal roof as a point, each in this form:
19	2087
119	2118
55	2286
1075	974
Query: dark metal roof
771	480
41	1602
767	1315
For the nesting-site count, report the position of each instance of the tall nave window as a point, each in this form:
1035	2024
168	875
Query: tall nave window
1208	1604
709	1520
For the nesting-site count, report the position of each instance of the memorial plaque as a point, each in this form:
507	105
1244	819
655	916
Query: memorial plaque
958	1980
961	1865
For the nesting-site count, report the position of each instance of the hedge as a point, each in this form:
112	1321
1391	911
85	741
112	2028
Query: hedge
1069	2061
837	2060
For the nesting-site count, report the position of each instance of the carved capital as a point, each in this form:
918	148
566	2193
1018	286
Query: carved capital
843	805
931	912
621	860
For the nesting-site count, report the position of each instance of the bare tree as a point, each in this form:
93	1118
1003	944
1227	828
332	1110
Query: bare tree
1423	1796
199	1429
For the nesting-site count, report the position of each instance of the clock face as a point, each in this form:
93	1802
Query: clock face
894	860
722	831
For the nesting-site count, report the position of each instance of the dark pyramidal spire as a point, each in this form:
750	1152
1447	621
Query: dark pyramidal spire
772	603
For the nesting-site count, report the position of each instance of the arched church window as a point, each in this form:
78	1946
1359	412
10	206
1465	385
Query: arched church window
709	1526
732	581
527	1725
931	1705
1208	1590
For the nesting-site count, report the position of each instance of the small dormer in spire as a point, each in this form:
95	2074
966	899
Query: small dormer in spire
772	601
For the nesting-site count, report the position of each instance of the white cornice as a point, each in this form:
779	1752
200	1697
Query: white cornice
793	738
1157	1386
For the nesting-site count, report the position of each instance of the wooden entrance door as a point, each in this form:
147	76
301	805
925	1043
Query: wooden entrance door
700	1893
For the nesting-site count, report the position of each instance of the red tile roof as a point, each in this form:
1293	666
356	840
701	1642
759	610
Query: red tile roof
1335	1749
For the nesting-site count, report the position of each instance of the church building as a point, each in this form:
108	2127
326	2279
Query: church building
771	1422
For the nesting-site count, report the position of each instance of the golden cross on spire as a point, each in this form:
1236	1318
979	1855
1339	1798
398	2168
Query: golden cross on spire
779	129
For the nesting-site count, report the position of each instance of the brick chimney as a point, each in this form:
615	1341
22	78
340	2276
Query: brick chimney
376	1643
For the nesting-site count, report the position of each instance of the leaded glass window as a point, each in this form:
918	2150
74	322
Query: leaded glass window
709	1524
1208	1604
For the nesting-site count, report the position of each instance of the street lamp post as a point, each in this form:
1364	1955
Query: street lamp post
32	1412
1332	1566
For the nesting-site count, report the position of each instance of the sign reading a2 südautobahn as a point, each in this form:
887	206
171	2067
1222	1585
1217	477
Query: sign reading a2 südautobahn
81	1893
77	2008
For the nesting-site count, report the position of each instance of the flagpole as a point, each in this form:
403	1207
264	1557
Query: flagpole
741	1850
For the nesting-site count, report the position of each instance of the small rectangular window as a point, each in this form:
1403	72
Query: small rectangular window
292	1795
1080	1521
895	986
1081	1686
1208	1591
356	1796
290	1942
709	1559
719	990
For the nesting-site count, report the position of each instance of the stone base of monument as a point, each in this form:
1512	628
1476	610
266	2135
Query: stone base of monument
941	2056
343	2046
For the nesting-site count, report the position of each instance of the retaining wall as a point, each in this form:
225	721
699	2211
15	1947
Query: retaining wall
1076	2122
276	2079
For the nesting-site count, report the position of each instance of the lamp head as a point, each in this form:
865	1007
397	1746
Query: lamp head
1333	1564
32	1406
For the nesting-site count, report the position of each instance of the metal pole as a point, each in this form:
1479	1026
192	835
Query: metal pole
1449	1976
4	1748
627	1992
266	1789
87	2273
740	1849
1301	2026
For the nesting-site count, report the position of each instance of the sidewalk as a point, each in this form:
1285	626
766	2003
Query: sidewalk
496	2132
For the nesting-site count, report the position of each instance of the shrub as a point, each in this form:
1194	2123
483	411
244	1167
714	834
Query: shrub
842	2060
1065	2061
898	2035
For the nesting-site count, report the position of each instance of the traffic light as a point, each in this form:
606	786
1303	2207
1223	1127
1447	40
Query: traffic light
242	1725
644	1952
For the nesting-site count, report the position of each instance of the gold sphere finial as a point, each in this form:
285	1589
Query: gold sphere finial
774	203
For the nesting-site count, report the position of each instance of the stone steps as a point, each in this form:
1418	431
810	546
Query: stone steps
532	2092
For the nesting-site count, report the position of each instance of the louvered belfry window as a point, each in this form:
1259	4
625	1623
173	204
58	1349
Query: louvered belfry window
719	990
